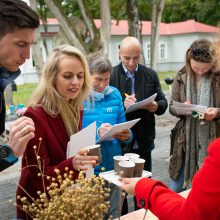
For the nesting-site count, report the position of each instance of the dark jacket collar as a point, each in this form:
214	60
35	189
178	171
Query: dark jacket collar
7	77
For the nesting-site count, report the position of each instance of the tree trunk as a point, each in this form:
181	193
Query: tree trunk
36	51
157	10
105	29
72	36
134	24
8	95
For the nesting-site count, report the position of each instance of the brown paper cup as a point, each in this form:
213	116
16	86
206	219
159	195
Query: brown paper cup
117	159
95	150
132	155
139	166
126	168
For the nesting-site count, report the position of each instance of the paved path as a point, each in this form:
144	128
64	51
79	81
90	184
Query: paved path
160	155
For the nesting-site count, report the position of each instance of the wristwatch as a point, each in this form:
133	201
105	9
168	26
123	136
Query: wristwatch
6	154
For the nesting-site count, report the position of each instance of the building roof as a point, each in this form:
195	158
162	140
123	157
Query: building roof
184	27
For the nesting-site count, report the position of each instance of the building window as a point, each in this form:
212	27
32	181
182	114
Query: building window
163	51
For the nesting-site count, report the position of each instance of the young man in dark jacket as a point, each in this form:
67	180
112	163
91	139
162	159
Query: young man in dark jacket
136	83
18	23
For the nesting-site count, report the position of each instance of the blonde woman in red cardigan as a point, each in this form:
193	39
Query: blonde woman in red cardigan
202	203
55	110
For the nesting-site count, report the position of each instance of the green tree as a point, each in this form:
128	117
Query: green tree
200	10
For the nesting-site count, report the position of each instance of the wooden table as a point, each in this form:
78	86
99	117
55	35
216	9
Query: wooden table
139	214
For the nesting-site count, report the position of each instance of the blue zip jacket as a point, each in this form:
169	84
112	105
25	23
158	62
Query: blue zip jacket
106	107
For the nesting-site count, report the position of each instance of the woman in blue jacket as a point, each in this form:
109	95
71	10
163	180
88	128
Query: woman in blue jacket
106	108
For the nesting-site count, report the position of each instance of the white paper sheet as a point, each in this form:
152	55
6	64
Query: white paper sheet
138	105
117	128
81	139
187	109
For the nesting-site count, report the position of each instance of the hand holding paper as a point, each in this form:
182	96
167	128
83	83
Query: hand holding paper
123	135
187	109
130	99
141	104
109	135
104	128
151	107
210	114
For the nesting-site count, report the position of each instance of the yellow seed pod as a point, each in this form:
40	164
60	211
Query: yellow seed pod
103	169
57	171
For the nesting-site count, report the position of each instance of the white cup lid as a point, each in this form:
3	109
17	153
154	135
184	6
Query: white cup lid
132	155
120	158
126	163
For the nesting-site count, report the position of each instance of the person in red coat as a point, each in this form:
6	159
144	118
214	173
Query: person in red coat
55	109
202	203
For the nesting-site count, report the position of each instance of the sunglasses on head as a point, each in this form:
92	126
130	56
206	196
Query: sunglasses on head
200	52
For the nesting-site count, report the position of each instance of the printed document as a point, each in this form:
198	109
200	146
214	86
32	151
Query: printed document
138	105
117	128
187	109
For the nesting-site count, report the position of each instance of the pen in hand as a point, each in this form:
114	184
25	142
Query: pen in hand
126	95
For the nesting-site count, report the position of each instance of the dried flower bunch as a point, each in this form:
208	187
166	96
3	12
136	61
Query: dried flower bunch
68	199
83	199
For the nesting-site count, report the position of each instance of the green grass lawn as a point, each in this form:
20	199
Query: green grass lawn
24	91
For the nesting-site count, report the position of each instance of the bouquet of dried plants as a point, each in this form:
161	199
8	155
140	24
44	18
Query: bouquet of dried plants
68	199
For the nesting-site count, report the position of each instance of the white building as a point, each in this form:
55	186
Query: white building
175	39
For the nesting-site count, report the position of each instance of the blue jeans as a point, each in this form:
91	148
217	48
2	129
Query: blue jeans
177	184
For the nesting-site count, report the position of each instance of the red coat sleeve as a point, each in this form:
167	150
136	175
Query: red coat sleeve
203	201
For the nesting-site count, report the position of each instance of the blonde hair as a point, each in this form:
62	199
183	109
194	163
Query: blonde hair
47	96
216	46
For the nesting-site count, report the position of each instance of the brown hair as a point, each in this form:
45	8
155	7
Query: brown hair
16	14
200	51
216	48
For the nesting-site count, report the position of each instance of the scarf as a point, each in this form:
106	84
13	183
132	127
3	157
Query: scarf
100	95
197	131
6	77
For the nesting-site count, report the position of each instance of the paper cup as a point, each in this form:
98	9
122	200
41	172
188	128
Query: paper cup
139	166
126	168
95	150
117	159
132	155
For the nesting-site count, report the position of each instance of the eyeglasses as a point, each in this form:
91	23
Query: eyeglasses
201	52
